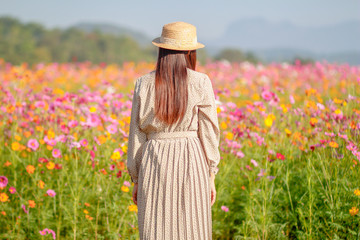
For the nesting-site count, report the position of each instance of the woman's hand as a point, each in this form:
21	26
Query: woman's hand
134	194
213	190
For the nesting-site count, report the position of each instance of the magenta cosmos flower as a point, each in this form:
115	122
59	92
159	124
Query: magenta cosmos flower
224	208
33	144
84	142
12	190
3	181
56	153
47	231
24	208
51	193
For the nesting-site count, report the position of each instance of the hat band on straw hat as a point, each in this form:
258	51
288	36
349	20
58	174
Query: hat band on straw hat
178	42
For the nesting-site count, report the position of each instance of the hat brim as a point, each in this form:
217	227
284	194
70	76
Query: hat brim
157	43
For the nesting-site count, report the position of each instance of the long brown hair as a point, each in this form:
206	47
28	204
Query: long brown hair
171	91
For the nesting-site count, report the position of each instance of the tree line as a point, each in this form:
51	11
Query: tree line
33	43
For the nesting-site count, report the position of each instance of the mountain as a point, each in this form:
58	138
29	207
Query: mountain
258	33
283	40
113	29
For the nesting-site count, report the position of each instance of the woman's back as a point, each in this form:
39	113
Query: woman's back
199	90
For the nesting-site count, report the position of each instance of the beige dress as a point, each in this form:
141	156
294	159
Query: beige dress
172	163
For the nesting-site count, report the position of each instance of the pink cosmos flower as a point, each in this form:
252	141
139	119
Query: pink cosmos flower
112	167
56	153
43	232
240	154
320	106
39	104
84	142
51	193
111	128
292	100
262	173
127	183
267	95
33	144
12	190
224	208
3	181
254	163
231	105
47	231
24	208
270	177
73	123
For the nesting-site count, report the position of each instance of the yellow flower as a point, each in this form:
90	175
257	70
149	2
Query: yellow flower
338	101
30	169
17	138
127	119
357	192
353	211
255	97
268	121
124	189
337	111
39	128
92	109
15	146
102	139
223	125
115	155
50	134
313	121
50	165
41	184
133	208
124	148
86	211
333	144
287	131
3	197
229	135
284	108
58	91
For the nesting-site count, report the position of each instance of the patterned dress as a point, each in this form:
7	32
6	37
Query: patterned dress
172	163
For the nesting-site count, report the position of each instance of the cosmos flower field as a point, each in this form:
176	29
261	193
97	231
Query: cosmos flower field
290	150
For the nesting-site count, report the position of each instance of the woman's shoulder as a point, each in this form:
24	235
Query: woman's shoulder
144	79
198	77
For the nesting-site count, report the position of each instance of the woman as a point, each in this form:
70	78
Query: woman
173	142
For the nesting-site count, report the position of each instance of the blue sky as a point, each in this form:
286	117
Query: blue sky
210	17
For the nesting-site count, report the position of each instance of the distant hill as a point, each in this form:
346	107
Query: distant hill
258	33
113	29
284	40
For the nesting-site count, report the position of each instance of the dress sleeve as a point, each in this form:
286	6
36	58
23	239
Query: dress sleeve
136	138
208	127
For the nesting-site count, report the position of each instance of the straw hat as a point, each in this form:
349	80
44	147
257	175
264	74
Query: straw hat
178	36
